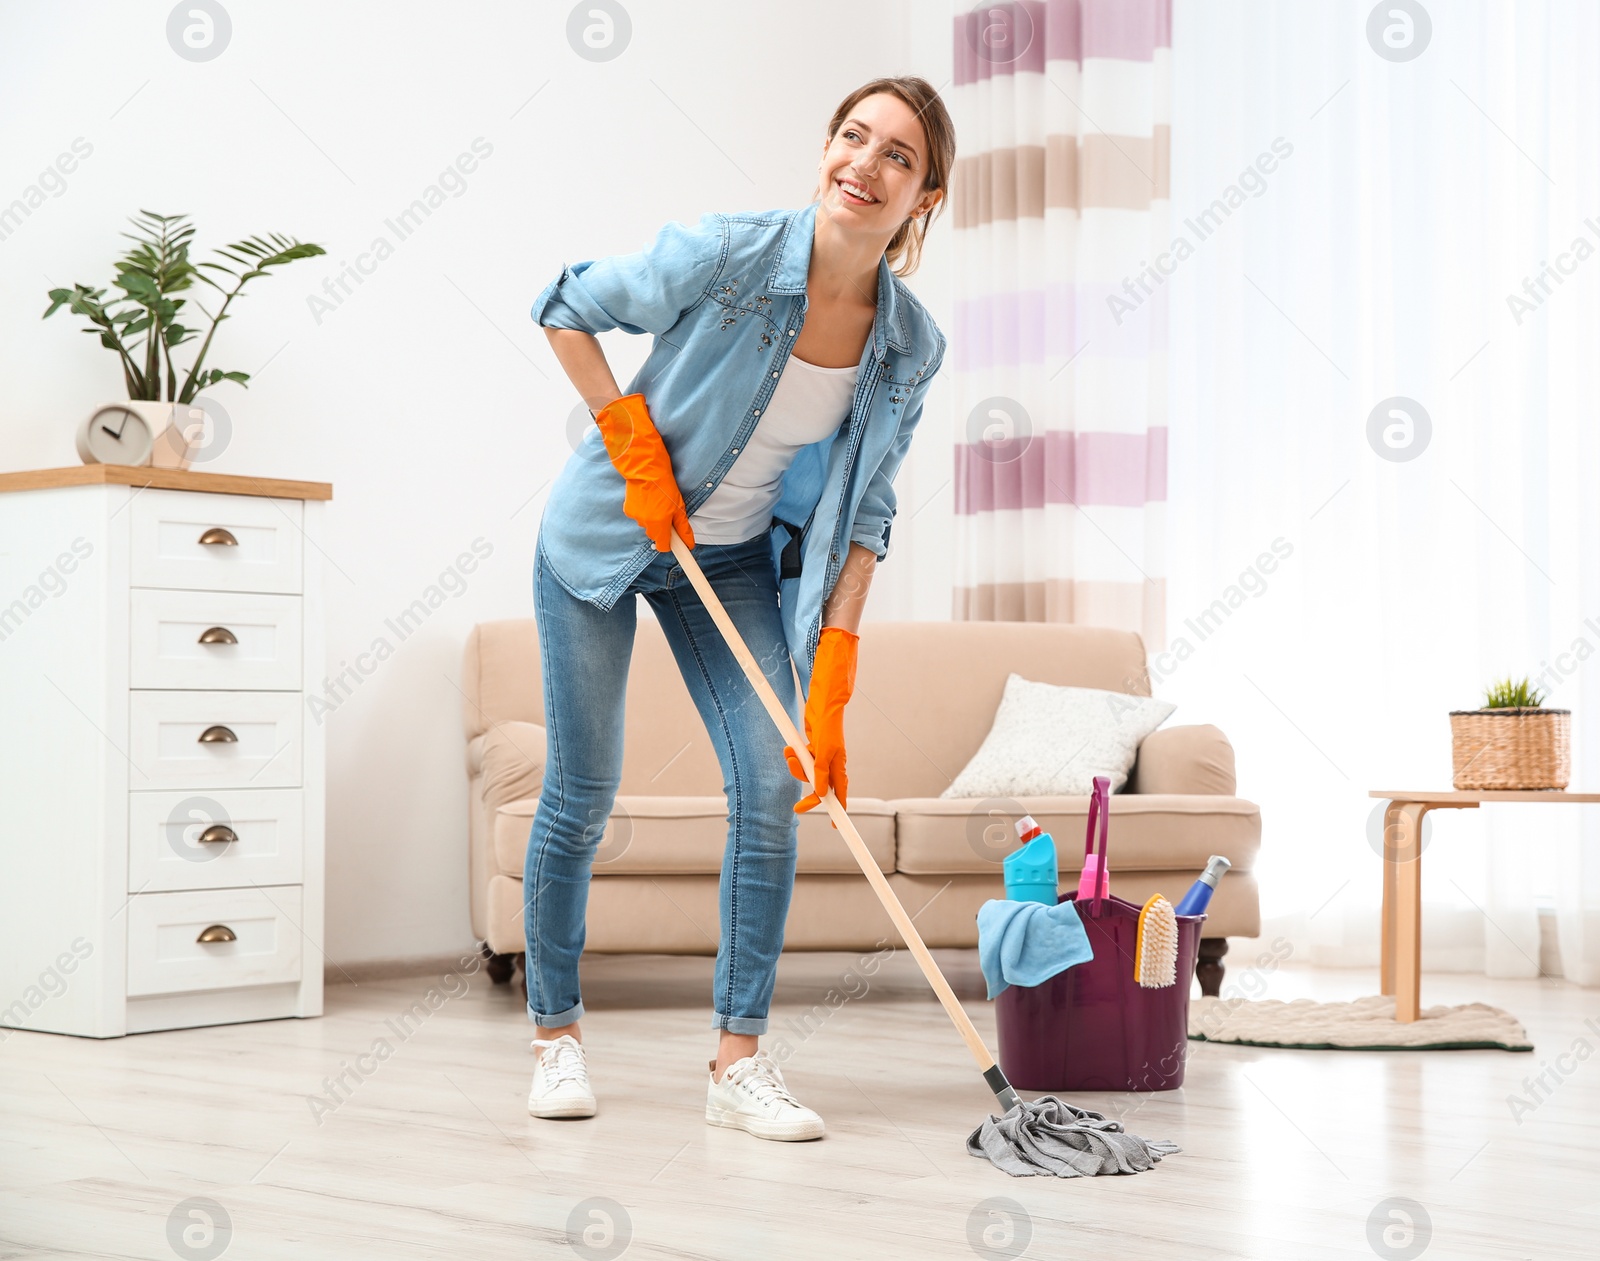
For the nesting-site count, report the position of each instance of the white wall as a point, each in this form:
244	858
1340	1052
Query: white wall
427	396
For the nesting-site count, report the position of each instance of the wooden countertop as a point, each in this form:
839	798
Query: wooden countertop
163	479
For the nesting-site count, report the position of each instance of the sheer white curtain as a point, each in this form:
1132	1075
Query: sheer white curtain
1427	229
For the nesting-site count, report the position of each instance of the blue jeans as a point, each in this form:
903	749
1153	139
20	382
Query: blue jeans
585	653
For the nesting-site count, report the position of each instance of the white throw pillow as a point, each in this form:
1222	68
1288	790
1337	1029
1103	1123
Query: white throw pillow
1052	741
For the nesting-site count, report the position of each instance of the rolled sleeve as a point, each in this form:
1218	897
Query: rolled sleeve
876	512
644	292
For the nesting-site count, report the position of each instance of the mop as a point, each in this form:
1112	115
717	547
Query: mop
1047	1136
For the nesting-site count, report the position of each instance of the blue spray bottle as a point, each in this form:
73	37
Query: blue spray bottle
1199	896
1031	871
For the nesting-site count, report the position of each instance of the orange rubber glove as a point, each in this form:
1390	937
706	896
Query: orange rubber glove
833	678
652	497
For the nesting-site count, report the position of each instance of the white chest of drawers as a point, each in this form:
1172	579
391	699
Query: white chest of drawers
162	790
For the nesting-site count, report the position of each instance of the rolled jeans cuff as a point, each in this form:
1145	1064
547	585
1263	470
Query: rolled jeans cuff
569	1017
749	1025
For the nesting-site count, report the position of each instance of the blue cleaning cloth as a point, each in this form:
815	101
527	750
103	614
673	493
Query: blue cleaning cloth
1027	943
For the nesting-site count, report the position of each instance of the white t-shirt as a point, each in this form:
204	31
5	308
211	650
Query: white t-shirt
809	403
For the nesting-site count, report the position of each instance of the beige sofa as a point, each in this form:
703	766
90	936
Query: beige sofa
926	694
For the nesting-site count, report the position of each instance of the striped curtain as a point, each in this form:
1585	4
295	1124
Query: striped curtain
1061	206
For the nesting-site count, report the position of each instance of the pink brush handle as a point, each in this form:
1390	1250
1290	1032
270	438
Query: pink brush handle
1095	882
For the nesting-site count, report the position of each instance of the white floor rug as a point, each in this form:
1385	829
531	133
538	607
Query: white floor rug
1367	1024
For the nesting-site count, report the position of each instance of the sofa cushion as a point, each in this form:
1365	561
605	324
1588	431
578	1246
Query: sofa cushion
926	692
946	907
1048	740
510	757
1158	832
678	915
664	836
1192	759
907	734
667	748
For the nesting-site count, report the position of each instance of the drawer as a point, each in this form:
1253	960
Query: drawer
168	527
214	639
257	932
253	836
254	739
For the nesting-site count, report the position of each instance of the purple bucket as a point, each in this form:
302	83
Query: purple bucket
1093	1027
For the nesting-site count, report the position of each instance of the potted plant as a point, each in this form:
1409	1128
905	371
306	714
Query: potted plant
161	423
1512	742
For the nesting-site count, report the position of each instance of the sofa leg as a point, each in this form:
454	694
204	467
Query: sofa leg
1208	967
499	967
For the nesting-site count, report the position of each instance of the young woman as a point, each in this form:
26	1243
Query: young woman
788	372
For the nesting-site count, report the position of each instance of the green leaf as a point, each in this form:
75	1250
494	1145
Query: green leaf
306	250
138	285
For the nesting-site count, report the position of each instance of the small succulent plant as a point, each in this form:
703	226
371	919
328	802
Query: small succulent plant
1509	694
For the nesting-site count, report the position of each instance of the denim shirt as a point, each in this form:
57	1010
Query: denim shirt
725	301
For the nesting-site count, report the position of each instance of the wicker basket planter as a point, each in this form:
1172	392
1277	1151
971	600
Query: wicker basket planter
1511	748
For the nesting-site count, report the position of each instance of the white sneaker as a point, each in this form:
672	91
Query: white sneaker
560	1079
752	1097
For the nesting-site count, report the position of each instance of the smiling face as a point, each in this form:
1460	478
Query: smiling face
875	165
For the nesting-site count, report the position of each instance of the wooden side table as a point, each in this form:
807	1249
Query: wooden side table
1402	879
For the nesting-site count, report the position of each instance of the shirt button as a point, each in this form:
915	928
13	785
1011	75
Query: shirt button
736	450
757	412
774	376
791	332
708	483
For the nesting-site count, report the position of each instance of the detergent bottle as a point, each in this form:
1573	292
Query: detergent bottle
1031	871
1199	896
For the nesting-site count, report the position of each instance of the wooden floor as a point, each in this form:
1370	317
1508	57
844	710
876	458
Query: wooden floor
1287	1154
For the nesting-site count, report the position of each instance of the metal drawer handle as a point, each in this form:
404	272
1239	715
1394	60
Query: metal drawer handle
218	635
217	932
218	735
218	834
216	534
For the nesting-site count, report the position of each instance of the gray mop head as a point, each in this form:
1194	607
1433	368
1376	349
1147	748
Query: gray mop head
1050	1136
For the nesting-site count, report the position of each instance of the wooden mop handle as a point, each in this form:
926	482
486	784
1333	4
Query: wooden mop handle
858	847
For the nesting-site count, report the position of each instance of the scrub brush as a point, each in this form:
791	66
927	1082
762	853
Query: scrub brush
1155	952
